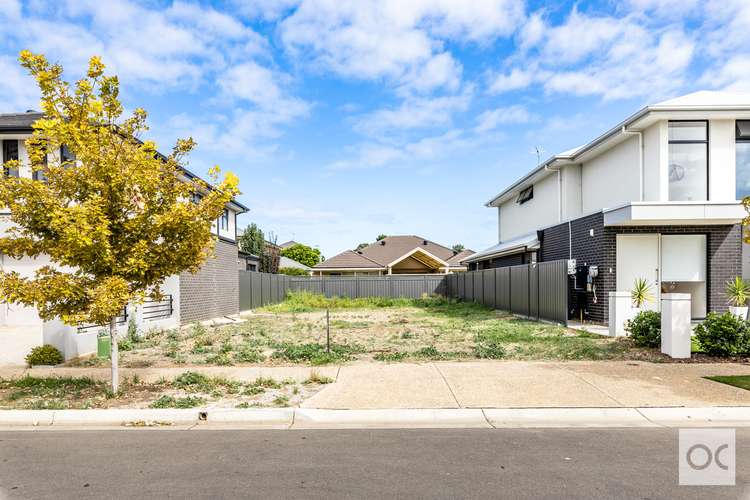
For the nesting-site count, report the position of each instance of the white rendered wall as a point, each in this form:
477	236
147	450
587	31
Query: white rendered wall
612	178
542	210
571	192
721	160
652	160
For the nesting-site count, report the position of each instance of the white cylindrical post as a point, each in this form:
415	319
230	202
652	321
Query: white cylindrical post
675	325
620	310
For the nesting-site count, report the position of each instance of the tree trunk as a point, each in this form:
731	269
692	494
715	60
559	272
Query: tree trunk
114	355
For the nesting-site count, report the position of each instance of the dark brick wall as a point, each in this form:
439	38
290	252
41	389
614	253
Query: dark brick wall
214	290
723	247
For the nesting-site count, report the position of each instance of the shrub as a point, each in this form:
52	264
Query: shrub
489	349
44	355
293	271
645	329
172	402
723	335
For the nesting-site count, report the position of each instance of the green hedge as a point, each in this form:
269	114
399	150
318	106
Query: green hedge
723	335
645	329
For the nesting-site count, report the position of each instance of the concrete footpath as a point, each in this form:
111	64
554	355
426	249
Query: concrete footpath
488	394
481	384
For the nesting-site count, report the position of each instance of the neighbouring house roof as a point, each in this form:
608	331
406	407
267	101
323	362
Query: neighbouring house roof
287	262
516	245
349	259
459	257
381	254
691	106
22	123
247	255
288	244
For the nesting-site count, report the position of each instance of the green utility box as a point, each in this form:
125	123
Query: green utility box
103	346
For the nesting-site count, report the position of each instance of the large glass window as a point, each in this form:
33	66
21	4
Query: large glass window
688	161
10	152
742	158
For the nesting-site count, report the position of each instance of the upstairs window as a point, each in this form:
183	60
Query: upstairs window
224	220
40	175
742	158
525	195
66	156
688	160
10	152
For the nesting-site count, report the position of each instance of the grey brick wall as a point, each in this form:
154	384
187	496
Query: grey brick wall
214	290
724	255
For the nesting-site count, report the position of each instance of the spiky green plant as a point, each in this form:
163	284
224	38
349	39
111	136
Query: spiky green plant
737	291
641	292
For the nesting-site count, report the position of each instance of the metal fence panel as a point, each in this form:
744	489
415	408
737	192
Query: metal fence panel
553	290
488	288
502	288
519	285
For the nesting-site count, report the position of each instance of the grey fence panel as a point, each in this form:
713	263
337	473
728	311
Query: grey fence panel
519	285
553	289
469	287
533	271
488	287
461	285
373	287
502	288
479	288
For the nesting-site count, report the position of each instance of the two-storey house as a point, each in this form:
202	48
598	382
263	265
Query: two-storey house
656	197
212	292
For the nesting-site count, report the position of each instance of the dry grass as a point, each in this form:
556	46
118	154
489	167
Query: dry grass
294	332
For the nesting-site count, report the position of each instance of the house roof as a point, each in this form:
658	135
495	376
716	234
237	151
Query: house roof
349	259
287	262
460	256
516	245
22	123
690	106
390	249
288	244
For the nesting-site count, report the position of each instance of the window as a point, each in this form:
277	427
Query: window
40	174
742	158
224	220
688	161
66	155
525	195
10	152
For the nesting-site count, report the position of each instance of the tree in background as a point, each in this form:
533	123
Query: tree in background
293	271
252	240
303	254
458	248
115	222
361	246
269	258
381	237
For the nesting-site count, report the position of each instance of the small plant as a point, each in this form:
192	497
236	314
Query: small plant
737	292
221	359
390	357
489	348
249	355
172	402
645	329
44	355
723	335
317	378
266	383
197	330
641	293
281	400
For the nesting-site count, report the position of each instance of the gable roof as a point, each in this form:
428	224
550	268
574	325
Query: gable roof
288	244
349	259
391	248
21	123
689	106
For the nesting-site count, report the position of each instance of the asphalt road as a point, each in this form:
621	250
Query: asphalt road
456	463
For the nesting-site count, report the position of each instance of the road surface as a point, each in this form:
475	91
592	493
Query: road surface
445	463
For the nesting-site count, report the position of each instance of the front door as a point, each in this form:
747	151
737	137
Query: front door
638	257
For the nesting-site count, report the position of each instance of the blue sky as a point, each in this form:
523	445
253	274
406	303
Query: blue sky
346	119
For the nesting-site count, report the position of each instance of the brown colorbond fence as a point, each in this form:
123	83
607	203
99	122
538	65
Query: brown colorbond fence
260	289
537	291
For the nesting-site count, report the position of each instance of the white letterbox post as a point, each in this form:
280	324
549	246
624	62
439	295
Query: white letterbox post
675	325
620	311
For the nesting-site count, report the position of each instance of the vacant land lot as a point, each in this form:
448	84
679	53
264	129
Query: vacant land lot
387	330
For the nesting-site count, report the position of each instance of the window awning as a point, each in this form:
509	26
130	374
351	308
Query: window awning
517	245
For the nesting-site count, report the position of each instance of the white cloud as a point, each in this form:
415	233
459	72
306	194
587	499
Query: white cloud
392	39
414	113
607	56
18	91
289	212
517	78
493	118
269	10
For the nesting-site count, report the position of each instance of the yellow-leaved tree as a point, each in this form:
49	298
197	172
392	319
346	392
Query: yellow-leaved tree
115	217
